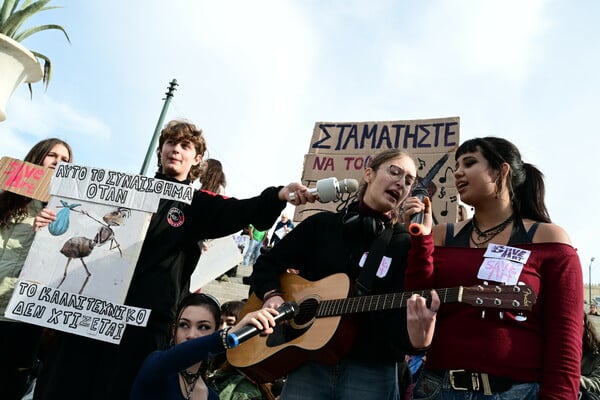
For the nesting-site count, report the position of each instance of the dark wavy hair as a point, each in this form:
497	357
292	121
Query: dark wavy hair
180	131
213	177
14	206
525	183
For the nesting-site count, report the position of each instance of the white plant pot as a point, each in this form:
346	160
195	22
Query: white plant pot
17	65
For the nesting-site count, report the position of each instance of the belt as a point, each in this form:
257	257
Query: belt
461	379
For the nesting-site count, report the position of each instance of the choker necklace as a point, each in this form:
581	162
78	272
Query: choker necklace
484	237
189	382
188	377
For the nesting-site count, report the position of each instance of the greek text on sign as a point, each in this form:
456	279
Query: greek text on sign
73	313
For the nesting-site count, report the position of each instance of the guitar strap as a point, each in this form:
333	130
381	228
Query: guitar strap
376	253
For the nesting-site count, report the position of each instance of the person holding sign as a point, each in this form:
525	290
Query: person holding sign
510	240
282	228
335	248
17	215
168	257
178	372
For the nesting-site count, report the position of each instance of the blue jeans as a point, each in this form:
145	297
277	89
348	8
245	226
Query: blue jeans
347	380
431	386
252	252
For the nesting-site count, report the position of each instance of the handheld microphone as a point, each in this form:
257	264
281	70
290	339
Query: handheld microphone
416	222
420	191
287	310
329	189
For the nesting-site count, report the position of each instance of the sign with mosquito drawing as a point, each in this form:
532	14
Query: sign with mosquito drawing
79	268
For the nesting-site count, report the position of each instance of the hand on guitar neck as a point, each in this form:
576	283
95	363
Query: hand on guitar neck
420	319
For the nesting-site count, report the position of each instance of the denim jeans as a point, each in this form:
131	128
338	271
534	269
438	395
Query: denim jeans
252	252
431	386
347	380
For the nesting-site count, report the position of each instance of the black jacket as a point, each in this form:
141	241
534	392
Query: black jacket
171	251
323	245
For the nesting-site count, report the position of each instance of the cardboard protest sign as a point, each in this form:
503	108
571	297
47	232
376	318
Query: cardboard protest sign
344	149
25	178
89	253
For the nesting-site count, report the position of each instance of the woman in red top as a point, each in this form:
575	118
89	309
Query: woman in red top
483	352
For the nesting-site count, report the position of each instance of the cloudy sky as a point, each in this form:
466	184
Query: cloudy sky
257	75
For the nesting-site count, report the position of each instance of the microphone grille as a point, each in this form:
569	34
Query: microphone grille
349	185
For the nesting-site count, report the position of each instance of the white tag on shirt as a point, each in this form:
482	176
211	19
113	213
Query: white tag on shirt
503	264
363	259
384	267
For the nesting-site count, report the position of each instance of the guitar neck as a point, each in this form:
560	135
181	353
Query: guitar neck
329	308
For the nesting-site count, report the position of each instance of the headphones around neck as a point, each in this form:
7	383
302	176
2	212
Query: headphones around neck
362	226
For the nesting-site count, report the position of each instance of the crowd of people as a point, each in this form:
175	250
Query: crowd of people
423	348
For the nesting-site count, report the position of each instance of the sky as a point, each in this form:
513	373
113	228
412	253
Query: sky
256	76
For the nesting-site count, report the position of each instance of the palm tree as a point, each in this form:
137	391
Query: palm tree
12	17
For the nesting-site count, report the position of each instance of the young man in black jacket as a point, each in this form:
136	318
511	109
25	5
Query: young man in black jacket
80	367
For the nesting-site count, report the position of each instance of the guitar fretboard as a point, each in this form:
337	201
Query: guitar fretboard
328	308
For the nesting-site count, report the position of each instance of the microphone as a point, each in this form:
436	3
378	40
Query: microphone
420	191
416	222
329	189
287	310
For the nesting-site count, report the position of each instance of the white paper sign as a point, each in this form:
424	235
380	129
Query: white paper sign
73	313
503	264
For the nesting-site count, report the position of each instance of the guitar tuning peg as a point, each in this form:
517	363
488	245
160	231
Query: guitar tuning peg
482	314
501	315
485	283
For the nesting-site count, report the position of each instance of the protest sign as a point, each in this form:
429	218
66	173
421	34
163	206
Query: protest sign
344	150
25	178
90	251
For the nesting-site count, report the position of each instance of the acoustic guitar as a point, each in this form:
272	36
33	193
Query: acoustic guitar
319	333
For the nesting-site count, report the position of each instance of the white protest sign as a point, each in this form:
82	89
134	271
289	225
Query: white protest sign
90	251
68	312
222	255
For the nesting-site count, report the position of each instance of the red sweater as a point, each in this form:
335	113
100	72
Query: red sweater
546	348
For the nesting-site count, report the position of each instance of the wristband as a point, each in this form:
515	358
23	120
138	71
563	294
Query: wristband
272	294
224	334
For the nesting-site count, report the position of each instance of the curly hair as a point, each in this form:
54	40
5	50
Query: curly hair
13	207
181	131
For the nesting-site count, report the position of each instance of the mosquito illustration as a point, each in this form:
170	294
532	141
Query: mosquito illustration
80	246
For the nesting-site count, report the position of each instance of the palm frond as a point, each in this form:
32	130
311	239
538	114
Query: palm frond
19	37
14	13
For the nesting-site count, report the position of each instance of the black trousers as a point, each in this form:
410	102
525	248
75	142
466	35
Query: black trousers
19	343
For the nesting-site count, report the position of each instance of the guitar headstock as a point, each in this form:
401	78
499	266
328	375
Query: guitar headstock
503	297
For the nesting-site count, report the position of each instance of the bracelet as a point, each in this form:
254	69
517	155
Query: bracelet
224	334
272	294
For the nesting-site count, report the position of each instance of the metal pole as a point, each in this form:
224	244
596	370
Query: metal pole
151	147
590	279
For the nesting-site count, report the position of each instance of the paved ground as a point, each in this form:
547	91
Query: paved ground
232	290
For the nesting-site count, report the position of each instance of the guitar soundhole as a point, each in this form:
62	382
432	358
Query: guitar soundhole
286	332
308	309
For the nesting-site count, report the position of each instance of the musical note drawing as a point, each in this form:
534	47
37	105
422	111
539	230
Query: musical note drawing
442	192
453	199
422	163
444	212
444	178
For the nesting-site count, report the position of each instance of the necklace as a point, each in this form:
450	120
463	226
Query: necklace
484	237
189	382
